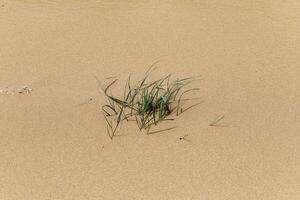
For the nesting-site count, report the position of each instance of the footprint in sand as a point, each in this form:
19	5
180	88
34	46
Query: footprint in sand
11	90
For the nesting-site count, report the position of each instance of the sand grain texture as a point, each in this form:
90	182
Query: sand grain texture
53	141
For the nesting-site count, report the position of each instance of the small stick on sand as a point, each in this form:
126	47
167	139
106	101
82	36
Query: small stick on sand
217	120
184	137
85	102
111	77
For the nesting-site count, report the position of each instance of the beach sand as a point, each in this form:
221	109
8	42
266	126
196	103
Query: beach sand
53	140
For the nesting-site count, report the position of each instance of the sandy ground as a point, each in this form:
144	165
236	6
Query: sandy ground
53	141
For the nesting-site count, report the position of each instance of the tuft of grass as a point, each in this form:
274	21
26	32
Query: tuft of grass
148	103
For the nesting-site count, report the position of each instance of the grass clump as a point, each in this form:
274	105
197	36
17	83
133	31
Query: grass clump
146	102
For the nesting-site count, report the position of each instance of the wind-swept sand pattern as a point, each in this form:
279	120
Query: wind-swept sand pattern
53	141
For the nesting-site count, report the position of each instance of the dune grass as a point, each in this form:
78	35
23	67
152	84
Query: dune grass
147	102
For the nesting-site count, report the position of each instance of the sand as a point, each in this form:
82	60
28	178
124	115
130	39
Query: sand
53	140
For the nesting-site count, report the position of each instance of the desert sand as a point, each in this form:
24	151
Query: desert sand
53	140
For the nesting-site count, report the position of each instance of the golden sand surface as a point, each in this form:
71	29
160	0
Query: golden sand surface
53	140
